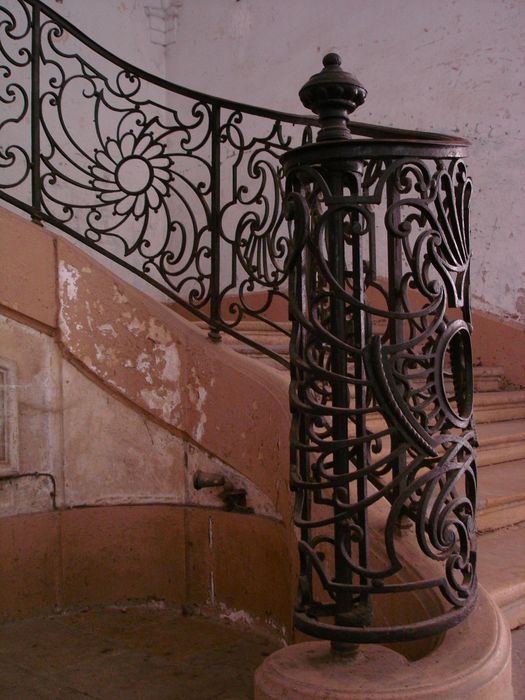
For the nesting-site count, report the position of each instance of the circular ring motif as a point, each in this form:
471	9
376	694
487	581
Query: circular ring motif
453	375
134	175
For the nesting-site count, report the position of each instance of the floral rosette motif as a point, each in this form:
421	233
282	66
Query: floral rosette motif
132	173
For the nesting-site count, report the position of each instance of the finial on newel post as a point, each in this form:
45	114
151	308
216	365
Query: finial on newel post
333	94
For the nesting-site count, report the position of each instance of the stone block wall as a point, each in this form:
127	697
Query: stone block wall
118	403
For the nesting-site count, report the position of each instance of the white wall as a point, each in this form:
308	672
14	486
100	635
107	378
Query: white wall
454	66
120	26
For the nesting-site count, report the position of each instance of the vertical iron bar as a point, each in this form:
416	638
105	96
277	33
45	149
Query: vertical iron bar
339	360
360	451
300	294
215	273
395	275
36	196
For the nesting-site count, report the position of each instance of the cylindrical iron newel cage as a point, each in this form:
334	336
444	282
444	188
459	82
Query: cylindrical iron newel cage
381	370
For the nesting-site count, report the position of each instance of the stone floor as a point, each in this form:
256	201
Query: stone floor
142	653
128	654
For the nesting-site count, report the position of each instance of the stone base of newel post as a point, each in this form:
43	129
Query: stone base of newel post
472	663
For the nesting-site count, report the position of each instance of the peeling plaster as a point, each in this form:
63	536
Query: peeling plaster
107	354
236	615
164	400
171	371
158	333
144	366
199	428
198	395
135	326
68	279
118	297
117	386
107	329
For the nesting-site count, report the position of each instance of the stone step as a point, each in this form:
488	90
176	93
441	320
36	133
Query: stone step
492	406
486	379
278	348
501	441
501	495
501	570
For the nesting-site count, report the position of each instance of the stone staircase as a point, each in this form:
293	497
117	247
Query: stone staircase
500	418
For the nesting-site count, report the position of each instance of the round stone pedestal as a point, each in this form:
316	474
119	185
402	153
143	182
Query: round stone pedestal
472	663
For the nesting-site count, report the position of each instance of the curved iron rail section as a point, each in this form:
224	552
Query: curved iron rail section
182	189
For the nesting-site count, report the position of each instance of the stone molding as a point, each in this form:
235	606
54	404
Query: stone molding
163	21
473	662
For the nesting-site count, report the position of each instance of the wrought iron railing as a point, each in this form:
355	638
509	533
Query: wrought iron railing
182	189
185	191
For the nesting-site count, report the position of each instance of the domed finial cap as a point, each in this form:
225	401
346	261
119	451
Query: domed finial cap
332	59
333	94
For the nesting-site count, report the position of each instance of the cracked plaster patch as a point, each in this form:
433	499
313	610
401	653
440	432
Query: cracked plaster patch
68	280
158	333
144	366
162	400
118	297
107	329
135	327
171	371
198	396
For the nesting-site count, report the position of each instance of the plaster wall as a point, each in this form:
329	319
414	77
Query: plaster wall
450	66
124	27
117	409
120	402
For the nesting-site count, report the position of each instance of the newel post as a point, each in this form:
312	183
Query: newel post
382	434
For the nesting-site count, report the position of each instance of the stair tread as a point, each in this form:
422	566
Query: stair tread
278	349
489	398
501	563
501	431
501	483
488	370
